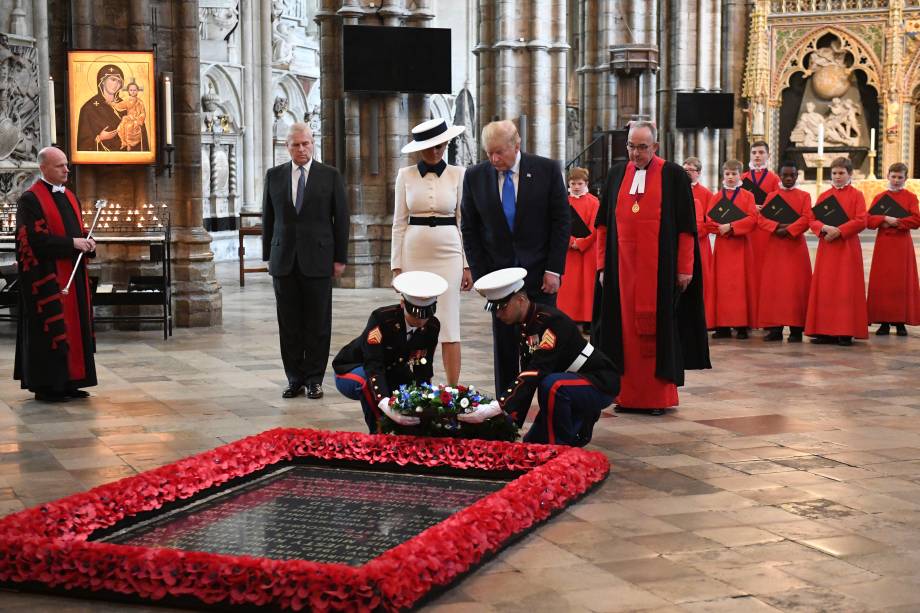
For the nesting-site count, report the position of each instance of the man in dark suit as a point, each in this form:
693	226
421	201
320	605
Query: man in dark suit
515	212
305	241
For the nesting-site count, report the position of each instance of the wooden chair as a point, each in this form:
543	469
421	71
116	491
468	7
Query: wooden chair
250	230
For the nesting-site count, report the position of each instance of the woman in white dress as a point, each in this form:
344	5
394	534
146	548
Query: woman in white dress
426	229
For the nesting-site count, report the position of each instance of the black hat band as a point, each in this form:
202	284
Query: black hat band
422	312
441	128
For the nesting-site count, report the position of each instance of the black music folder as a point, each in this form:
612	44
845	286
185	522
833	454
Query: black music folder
759	194
579	229
725	211
778	210
888	206
830	212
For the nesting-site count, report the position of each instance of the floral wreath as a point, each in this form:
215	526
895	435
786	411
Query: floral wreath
49	545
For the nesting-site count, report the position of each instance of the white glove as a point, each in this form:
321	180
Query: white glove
399	418
481	413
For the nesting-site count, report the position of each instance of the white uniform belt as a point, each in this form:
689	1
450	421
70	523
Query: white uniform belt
576	365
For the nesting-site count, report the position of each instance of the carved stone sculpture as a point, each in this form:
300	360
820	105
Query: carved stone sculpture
216	23
282	43
805	132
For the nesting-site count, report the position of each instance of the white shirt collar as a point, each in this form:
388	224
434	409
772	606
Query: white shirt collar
787	189
844	186
757	168
516	169
892	189
306	167
732	188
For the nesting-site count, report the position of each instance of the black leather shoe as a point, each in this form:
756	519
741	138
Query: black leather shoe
845	341
293	391
902	329
51	397
722	333
823	339
742	334
775	334
314	390
75	393
883	330
794	337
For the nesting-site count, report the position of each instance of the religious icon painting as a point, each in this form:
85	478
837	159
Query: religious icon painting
112	107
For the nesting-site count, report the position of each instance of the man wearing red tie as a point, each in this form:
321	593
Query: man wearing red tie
651	321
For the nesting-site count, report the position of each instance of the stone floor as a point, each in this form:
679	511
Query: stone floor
787	480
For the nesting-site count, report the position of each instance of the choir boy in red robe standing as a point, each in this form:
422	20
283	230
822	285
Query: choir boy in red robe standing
576	294
784	284
701	196
837	300
734	292
894	292
760	181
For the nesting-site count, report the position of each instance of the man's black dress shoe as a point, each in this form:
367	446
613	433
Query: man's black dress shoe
883	330
823	339
845	341
314	390
742	334
51	397
775	334
75	393
902	329
293	391
722	333
794	337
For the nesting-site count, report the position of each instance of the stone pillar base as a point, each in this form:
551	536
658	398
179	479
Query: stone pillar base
196	293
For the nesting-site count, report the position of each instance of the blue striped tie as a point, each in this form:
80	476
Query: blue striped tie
301	186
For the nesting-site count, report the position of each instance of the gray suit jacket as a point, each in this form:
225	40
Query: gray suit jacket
318	236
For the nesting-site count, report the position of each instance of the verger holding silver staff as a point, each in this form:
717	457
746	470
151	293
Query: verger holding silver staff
100	204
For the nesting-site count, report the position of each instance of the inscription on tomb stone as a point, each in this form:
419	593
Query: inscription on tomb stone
313	513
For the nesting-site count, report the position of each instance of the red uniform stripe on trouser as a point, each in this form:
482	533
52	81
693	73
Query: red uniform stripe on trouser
367	393
551	404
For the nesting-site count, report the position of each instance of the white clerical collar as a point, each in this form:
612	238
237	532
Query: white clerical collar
54	188
844	186
732	187
894	189
577	195
757	168
638	182
787	189
694	183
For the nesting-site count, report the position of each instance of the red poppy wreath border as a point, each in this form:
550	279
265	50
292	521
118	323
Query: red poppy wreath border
48	544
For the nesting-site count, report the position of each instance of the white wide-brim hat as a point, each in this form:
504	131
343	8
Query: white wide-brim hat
430	133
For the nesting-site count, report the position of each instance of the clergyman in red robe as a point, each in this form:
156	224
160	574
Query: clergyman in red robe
894	291
784	284
649	318
837	299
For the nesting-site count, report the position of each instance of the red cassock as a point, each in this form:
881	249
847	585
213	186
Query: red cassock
784	284
702	232
837	300
576	294
733	289
894	292
769	182
638	219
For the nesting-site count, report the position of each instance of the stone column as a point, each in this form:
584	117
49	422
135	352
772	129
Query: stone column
519	73
252	199
735	34
559	53
196	290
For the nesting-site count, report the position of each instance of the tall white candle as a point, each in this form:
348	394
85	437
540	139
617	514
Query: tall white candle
821	139
52	118
167	107
872	139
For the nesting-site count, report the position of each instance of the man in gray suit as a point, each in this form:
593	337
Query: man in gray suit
305	241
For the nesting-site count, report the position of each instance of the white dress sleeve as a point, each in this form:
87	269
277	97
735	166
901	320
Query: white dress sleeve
400	221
